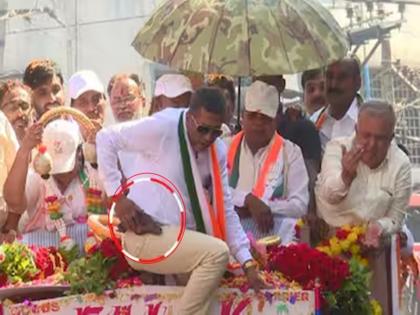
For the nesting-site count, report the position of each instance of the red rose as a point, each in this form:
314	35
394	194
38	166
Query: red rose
108	248
3	279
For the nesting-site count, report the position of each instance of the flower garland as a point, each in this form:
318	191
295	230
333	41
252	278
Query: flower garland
346	242
94	205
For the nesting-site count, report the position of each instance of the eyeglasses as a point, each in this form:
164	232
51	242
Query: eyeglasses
205	130
124	101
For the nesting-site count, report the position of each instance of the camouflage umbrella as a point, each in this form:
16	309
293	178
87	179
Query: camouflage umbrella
242	38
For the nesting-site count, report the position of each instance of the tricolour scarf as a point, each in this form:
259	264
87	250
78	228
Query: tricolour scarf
209	216
234	154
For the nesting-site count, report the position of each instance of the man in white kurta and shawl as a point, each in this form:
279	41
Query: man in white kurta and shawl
183	146
268	176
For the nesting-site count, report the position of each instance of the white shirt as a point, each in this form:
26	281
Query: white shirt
333	128
155	139
295	203
379	194
8	148
73	201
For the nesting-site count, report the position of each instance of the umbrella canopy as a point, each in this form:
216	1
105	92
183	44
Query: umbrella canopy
242	38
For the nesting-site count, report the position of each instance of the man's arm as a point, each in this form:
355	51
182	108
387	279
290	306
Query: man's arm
135	136
235	235
296	203
393	220
331	186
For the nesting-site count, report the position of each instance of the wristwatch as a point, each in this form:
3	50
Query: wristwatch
249	264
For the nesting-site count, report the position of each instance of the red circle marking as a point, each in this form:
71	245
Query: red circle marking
156	180
173	190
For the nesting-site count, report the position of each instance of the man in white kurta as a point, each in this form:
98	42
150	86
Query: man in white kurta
285	195
162	140
366	179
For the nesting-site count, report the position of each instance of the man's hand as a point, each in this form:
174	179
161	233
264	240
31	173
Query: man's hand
373	235
8	237
33	137
349	162
255	280
260	212
135	219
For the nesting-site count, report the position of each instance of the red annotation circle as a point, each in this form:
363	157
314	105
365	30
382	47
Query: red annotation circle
172	189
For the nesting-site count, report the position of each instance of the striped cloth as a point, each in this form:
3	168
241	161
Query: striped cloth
44	238
283	227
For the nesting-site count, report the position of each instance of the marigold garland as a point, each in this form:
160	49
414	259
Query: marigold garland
346	242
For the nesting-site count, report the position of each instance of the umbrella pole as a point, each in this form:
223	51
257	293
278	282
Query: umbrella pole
238	118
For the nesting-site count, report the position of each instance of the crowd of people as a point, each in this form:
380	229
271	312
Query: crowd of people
333	161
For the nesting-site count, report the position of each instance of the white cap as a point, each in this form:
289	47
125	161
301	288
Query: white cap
62	137
83	81
292	103
262	98
172	85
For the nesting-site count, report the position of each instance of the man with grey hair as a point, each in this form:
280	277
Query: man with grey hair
366	179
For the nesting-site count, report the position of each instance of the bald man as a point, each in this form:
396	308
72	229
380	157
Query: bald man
338	118
366	179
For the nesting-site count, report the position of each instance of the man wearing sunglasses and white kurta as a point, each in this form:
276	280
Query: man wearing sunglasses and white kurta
183	146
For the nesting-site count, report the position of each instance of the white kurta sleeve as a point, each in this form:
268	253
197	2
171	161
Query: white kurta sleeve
330	185
295	205
236	238
135	136
394	218
238	197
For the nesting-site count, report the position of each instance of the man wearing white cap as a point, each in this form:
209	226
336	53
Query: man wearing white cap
87	94
39	201
267	173
172	90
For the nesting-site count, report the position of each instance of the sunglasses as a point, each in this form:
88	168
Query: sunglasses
205	130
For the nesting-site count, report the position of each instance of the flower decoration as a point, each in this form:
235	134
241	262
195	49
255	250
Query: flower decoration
303	264
53	207
273	279
2	255
91	243
104	267
376	307
94	201
346	242
298	227
18	264
49	261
